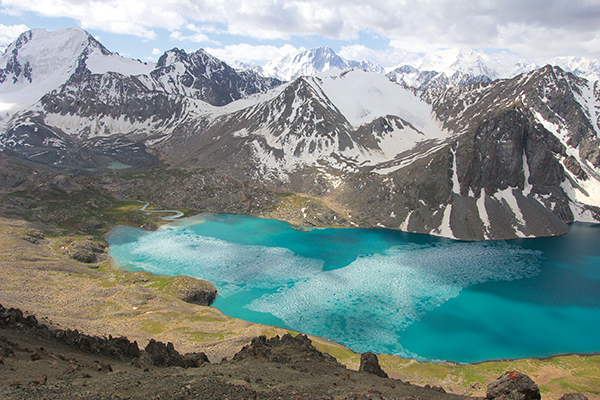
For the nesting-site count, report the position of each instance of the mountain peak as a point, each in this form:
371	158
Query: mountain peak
323	51
47	58
313	61
40	61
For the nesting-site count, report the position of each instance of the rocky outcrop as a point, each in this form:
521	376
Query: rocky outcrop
369	363
86	250
286	349
513	385
192	290
161	355
156	353
119	347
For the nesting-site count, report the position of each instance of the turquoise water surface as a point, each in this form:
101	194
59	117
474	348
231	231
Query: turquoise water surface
386	291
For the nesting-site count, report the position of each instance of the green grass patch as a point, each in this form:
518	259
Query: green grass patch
160	282
339	352
83	276
199	336
206	318
153	327
105	305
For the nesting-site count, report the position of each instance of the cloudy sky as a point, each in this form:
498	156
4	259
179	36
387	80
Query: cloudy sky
261	30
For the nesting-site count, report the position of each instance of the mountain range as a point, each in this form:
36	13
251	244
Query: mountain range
443	68
469	149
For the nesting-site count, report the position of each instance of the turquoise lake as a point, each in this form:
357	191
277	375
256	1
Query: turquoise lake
385	291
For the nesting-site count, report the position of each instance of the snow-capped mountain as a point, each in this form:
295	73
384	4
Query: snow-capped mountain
510	158
40	61
443	68
460	67
347	122
245	66
532	139
469	62
82	91
311	62
457	67
201	76
500	160
580	66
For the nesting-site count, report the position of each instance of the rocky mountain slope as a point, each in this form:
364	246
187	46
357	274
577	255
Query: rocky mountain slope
510	158
513	158
86	97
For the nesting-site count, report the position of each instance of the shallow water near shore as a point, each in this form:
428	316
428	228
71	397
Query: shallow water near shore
386	291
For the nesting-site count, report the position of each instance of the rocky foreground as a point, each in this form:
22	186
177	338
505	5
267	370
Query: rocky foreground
41	362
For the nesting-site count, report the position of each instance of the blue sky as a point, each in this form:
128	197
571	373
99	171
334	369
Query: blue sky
261	30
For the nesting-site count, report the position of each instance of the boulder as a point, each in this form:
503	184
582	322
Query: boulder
573	396
370	363
513	385
194	360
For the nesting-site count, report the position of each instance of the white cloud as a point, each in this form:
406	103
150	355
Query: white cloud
198	34
156	51
249	53
387	58
133	17
537	28
196	37
8	33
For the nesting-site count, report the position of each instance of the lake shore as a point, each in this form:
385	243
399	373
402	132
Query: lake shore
99	300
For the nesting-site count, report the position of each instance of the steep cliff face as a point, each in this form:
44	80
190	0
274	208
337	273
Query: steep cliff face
506	173
510	171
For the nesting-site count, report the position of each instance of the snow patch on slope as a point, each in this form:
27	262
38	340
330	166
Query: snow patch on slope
590	105
483	215
364	96
99	63
527	173
508	198
581	214
455	182
444	229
